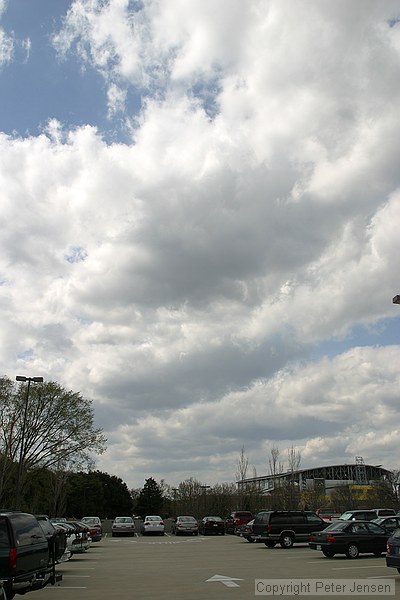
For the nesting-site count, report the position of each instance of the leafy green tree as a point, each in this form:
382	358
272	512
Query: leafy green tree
97	493
52	429
150	499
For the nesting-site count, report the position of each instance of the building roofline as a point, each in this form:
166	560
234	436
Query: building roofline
299	471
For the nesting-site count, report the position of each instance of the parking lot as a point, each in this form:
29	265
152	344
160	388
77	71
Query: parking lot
211	567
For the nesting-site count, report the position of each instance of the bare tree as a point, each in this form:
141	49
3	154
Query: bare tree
242	464
275	466
294	459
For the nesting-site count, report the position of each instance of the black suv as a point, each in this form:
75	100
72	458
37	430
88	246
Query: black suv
25	563
285	527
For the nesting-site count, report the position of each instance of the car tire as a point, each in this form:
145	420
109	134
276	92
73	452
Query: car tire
270	544
286	540
328	553
352	551
377	553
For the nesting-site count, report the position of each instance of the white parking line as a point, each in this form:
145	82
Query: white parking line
354	567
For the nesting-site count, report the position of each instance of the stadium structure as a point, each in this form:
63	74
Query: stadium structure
325	478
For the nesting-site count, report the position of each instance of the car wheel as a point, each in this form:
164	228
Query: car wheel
377	553
286	540
328	553
270	544
352	551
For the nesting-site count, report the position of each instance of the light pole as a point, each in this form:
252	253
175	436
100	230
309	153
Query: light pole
22	444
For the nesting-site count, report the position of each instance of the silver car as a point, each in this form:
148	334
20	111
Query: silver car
123	526
185	524
152	524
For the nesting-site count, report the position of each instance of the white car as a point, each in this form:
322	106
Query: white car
123	526
152	524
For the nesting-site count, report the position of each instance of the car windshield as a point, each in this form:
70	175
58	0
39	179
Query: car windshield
153	519
90	520
123	520
346	516
213	519
187	519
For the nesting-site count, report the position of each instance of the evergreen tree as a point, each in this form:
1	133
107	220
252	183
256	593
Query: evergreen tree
150	499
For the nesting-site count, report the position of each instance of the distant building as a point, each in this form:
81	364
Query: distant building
324	478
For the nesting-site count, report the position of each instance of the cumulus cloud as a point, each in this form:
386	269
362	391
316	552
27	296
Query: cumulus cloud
187	279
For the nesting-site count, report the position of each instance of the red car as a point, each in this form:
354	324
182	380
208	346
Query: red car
237	519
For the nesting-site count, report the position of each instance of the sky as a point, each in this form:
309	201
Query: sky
200	208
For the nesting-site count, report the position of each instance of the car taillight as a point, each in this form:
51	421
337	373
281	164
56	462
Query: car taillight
269	527
330	538
12	558
389	548
312	538
161	522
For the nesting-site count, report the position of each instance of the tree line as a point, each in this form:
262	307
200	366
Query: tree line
47	442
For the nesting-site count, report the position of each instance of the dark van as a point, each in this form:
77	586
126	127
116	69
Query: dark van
25	563
286	527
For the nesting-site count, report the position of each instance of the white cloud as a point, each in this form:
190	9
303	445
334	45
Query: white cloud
189	281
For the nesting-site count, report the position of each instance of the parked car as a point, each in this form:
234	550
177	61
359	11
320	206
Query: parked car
61	527
82	540
236	519
214	525
328	514
393	550
123	526
152	524
56	539
350	538
25	563
285	526
245	531
95	527
389	523
185	524
358	515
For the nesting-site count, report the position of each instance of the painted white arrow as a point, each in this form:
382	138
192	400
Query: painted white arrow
228	581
